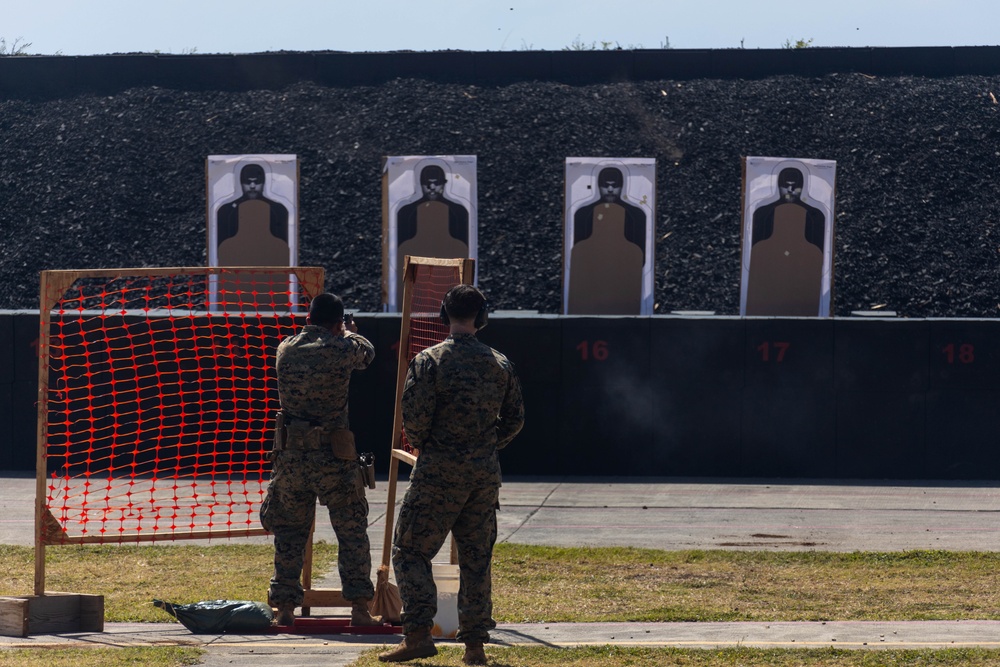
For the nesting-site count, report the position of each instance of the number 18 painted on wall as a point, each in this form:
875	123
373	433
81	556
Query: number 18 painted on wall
964	353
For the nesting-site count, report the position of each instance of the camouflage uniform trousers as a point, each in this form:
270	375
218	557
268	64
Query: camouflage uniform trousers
430	510
297	480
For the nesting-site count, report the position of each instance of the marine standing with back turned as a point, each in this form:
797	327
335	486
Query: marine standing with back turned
315	457
461	404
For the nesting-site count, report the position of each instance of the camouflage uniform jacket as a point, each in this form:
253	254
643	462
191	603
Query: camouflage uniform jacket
314	373
463	398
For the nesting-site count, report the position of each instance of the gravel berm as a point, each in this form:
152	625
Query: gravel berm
119	181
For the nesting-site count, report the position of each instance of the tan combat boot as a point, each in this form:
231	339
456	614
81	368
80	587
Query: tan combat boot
360	614
474	654
416	644
286	614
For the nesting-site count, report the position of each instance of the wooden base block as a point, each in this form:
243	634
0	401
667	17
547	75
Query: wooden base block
52	613
324	598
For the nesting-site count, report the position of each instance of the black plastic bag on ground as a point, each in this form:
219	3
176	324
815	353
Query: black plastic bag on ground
217	616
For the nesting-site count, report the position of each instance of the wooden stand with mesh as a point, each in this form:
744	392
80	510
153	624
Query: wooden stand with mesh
136	369
425	282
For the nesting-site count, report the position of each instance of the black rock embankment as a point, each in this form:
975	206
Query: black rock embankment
119	181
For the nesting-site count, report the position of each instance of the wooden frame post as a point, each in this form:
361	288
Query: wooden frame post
466	273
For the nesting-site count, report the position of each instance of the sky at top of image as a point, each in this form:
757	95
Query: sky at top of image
74	27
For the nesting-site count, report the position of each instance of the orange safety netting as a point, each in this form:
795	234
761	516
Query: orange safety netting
157	418
430	283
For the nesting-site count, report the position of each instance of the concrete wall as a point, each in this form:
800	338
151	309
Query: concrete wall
875	398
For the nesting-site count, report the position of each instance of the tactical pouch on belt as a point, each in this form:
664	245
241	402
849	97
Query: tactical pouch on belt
302	436
279	434
342	445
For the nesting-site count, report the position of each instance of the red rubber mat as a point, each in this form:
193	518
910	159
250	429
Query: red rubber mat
333	626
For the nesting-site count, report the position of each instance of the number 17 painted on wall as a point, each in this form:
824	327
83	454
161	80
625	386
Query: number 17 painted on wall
773	351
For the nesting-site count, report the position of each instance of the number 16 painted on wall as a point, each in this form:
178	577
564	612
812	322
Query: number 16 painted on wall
596	351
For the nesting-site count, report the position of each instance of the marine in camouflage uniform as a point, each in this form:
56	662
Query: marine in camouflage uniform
461	404
314	370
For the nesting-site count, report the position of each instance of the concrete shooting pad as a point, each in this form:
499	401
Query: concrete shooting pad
671	514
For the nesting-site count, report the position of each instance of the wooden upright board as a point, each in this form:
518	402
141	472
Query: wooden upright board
428	210
608	241
788	216
251	218
425	282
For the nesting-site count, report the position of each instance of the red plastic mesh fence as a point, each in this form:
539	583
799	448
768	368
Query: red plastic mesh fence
157	417
430	283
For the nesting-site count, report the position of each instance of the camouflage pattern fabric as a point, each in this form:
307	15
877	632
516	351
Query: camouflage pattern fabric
314	373
461	396
314	370
297	480
461	403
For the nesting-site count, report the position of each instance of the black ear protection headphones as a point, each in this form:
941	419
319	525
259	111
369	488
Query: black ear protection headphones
482	317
